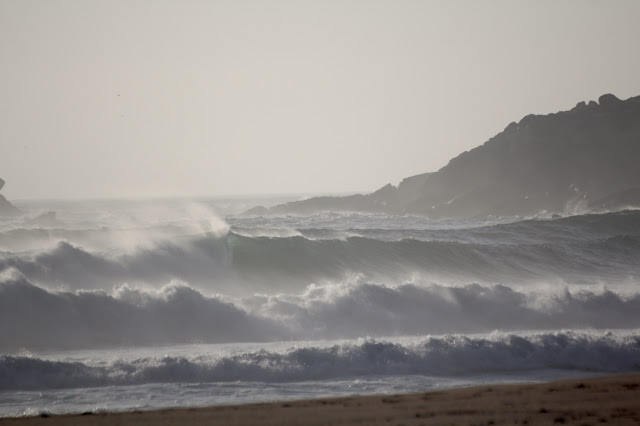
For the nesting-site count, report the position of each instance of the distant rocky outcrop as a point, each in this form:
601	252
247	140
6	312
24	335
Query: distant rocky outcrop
6	208
587	157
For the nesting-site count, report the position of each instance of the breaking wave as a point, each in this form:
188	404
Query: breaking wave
104	294
194	260
436	356
180	285
34	318
577	250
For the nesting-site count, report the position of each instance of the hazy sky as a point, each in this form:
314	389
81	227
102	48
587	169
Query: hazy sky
160	98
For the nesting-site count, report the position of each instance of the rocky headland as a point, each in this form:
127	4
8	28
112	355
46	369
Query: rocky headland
582	159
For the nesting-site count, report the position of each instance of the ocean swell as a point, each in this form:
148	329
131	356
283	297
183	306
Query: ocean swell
298	259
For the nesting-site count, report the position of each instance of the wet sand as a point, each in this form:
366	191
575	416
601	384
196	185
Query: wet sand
604	400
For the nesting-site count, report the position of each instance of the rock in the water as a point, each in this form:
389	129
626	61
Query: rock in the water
6	208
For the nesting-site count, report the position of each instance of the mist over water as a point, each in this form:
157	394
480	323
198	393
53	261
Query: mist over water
134	294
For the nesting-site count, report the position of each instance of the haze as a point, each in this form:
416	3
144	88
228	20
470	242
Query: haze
205	98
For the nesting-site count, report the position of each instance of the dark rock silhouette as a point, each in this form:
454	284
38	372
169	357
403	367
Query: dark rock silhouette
583	158
6	208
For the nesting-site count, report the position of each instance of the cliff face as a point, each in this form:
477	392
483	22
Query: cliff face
6	208
587	156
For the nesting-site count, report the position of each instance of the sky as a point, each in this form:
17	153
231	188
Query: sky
137	98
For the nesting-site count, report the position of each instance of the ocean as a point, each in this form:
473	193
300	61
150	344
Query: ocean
121	305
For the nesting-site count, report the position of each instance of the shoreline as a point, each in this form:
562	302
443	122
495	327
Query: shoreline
607	399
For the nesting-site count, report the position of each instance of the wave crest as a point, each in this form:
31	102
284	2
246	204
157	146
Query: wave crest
34	318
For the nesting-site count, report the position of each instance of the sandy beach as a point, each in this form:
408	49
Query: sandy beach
611	400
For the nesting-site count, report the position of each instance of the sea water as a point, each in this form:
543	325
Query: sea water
110	305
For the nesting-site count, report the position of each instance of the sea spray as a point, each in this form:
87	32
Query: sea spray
153	304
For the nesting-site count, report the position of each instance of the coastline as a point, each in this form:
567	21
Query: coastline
609	399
